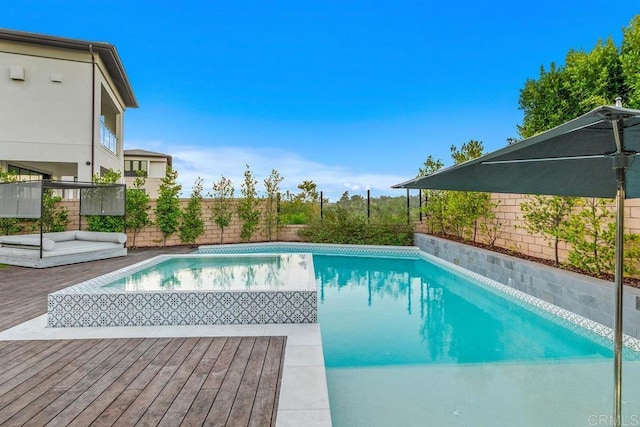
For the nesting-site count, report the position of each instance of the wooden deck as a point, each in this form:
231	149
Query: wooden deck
232	381
143	381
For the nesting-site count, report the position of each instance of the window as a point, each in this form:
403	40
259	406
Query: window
131	167
24	174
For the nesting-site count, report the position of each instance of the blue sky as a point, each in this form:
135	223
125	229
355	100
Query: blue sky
353	95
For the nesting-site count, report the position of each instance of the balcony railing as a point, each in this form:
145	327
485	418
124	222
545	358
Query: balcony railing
108	139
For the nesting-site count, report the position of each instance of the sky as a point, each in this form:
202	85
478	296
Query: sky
353	95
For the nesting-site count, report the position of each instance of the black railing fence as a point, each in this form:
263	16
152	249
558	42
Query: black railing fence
370	205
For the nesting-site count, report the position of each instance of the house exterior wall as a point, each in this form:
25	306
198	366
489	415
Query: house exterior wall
156	171
45	125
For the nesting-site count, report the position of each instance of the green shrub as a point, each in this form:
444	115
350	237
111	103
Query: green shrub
341	226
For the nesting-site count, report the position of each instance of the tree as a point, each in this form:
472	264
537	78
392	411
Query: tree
248	206
630	58
138	206
222	206
587	80
309	192
54	218
545	102
435	200
192	224
300	208
272	186
591	232
106	222
593	78
466	208
168	205
548	216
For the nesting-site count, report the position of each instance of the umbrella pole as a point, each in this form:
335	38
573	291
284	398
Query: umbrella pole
619	255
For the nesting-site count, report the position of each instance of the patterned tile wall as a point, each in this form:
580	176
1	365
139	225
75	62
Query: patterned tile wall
181	308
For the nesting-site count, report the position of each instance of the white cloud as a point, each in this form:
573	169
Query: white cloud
210	163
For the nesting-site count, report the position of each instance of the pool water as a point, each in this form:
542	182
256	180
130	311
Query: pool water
407	343
256	272
378	312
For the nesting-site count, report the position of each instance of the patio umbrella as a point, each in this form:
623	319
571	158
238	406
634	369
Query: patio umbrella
593	155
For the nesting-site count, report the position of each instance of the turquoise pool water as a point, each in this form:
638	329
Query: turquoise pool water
254	272
380	312
408	343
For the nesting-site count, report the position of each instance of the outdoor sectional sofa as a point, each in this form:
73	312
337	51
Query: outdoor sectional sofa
66	247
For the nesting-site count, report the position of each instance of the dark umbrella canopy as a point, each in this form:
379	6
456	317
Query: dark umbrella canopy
594	155
572	159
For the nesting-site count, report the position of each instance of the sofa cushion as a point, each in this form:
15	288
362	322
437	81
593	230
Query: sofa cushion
61	236
100	236
30	241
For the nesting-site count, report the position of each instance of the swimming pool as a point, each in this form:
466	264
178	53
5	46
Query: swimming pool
193	289
411	341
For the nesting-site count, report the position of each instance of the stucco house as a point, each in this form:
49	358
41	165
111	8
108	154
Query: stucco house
62	106
154	165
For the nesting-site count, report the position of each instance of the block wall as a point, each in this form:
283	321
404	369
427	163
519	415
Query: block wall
152	236
514	236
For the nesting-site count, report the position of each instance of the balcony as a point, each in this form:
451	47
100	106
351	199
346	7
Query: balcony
108	139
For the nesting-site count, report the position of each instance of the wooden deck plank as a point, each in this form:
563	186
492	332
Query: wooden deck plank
111	394
184	402
28	365
75	390
163	401
38	383
219	413
265	406
246	394
213	379
90	383
7	347
81	402
53	390
153	389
